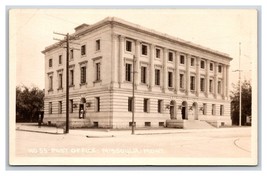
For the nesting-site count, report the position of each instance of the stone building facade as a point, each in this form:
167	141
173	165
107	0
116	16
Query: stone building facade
174	79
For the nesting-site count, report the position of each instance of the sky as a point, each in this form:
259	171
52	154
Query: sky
31	30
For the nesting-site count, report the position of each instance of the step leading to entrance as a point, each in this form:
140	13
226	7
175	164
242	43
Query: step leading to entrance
188	124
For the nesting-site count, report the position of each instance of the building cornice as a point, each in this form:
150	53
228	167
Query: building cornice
113	21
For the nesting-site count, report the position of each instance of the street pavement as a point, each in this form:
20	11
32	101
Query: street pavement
32	141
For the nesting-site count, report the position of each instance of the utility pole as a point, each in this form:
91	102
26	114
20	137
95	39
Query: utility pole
67	41
133	99
240	90
240	87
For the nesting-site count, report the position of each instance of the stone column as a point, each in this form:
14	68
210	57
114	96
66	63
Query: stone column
165	72
177	74
187	74
215	79
151	69
197	76
114	59
121	68
227	81
207	78
137	61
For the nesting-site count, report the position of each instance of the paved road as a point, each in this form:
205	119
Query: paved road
227	142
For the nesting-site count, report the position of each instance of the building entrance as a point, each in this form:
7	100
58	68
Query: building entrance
184	111
82	109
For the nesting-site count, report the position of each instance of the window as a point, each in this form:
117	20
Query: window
50	62
60	59
170	56
204	109
146	104
147	124
202	84
128	70
128	45
211	66
157	77
60	81
211	86
160	106
157	53
97	104
219	87
144	50
71	77
202	64
213	109
192	61
50	82
182	59
83	75
221	110
60	107
97	71
71	54
50	108
192	82
130	104
170	79
71	106
97	43
219	68
181	81
83	50
143	74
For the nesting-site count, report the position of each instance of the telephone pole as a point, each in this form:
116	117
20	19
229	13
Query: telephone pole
240	90
61	42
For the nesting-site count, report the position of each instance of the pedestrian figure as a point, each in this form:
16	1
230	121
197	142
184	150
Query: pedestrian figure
39	121
81	114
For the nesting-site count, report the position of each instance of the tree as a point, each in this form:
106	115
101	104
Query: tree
29	102
246	102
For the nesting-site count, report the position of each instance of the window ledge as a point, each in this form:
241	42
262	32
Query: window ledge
72	85
97	81
50	90
170	88
82	84
61	88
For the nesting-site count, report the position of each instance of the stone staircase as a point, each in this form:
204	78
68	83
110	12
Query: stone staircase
196	124
188	124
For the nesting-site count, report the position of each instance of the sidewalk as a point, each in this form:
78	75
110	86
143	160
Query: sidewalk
98	133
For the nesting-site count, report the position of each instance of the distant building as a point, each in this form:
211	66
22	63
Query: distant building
175	79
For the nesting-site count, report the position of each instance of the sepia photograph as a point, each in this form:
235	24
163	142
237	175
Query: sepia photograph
133	86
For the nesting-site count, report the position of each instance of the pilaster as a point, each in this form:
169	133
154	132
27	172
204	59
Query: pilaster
187	74
177	56
207	78
121	52
151	69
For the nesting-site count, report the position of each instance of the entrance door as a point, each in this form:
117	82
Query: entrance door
183	112
172	112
